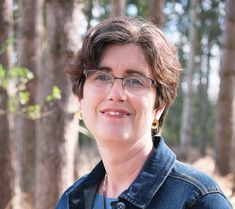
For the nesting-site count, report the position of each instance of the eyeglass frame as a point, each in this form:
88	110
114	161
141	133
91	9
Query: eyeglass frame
153	82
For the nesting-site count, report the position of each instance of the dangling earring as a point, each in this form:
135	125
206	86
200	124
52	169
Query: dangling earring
155	124
79	115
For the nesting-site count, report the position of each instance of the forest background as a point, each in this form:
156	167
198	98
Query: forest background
43	146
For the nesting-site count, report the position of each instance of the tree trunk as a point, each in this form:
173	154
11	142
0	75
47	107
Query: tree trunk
118	7
204	104
29	56
155	12
186	123
233	144
6	166
89	13
226	111
57	131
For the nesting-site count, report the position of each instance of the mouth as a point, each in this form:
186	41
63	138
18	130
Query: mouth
115	113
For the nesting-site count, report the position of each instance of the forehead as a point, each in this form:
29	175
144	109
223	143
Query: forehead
125	57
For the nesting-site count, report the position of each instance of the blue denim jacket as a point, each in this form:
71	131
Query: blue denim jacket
163	183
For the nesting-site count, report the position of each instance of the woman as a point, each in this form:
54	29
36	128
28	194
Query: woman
126	77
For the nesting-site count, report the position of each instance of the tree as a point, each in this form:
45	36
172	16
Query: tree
57	130
29	44
208	33
155	12
118	7
6	167
226	112
89	13
186	124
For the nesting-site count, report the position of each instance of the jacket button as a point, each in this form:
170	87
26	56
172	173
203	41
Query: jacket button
120	205
75	201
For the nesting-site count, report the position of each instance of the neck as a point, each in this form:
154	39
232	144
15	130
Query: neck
123	163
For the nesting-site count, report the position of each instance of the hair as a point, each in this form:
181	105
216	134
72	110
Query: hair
160	54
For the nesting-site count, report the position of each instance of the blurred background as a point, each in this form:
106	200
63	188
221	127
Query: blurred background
43	146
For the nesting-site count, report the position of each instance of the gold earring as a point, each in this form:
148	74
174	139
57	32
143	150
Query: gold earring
79	115
155	124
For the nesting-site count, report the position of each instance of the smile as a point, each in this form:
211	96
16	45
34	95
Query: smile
114	113
119	113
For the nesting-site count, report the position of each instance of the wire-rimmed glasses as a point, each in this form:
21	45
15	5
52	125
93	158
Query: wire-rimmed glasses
102	80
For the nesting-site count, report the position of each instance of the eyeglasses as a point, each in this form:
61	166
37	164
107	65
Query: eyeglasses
102	80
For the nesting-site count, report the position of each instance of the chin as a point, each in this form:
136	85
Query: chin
113	135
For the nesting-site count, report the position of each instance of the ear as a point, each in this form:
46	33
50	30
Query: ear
158	112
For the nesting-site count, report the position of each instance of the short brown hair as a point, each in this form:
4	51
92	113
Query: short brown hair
160	54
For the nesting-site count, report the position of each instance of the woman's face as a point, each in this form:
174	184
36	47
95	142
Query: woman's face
114	113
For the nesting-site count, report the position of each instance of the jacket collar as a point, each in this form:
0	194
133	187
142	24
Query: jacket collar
152	176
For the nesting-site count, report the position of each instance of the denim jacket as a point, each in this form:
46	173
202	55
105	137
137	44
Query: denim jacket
163	183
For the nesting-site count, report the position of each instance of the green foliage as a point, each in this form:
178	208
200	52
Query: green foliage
55	94
171	127
3	80
19	98
141	5
209	25
33	111
21	74
24	97
9	41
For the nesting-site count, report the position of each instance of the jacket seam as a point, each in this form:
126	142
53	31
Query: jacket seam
188	179
194	203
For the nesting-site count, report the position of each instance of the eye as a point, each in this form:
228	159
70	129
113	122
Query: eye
135	81
101	76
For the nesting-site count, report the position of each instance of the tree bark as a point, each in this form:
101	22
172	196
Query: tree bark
233	143
186	123
6	166
226	111
89	13
57	132
118	7
155	12
204	104
29	56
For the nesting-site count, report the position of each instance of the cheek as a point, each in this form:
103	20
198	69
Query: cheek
88	98
89	104
150	109
86	104
144	107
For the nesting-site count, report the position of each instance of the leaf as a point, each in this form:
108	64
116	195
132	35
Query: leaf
24	97
49	98
9	41
12	106
20	72
2	72
33	111
56	92
3	78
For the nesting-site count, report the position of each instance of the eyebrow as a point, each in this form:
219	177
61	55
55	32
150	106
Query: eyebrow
128	71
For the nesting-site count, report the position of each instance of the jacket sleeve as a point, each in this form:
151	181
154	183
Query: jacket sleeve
212	201
62	203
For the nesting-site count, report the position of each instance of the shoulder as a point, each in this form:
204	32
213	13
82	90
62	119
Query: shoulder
193	176
62	202
202	190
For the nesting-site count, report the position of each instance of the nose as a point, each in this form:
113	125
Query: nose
117	91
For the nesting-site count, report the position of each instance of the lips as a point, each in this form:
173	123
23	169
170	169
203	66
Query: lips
113	112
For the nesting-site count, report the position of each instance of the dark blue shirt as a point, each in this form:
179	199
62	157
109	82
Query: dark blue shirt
163	183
